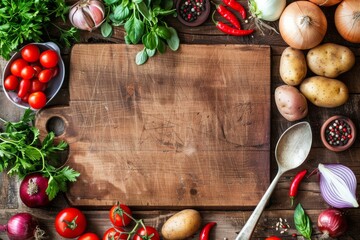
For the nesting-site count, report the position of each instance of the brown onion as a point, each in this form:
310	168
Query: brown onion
332	223
302	25
325	3
87	14
347	20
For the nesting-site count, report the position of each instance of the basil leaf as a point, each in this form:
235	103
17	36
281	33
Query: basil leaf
163	32
167	4
141	57
174	41
109	2
135	29
302	222
150	40
161	47
121	13
137	1
150	52
144	10
106	29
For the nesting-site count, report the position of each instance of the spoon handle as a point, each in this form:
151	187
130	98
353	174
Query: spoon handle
250	225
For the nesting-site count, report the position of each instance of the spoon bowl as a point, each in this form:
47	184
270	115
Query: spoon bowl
291	151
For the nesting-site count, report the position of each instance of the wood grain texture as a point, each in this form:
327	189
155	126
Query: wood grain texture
185	130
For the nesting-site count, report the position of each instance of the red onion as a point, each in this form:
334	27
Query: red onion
338	185
22	226
33	190
332	223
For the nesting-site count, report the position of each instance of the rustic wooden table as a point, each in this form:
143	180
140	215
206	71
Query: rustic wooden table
229	222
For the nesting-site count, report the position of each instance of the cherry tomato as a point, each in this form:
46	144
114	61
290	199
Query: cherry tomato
17	66
55	71
11	83
70	223
273	238
37	86
45	75
24	87
89	236
37	100
113	233
119	215
30	53
25	99
28	72
147	233
49	58
37	69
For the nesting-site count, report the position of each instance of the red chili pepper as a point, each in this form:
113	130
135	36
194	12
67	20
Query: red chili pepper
228	15
204	234
232	31
295	185
236	6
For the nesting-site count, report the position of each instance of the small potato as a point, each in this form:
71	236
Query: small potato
181	225
330	60
324	92
291	104
293	66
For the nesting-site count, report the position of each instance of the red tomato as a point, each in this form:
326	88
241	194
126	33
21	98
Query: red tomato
55	71
37	100
25	99
49	58
120	215
113	233
89	236
147	233
28	72
45	75
11	83
273	238
37	86
30	53
70	223
17	66
37	69
24	87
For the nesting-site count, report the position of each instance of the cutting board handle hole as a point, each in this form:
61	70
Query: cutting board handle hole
55	124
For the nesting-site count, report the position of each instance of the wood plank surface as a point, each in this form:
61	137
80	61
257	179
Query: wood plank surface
185	130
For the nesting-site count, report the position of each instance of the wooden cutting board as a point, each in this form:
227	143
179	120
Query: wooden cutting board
187	129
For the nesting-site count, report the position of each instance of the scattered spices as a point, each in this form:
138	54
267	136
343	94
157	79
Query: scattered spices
294	186
190	10
282	225
338	133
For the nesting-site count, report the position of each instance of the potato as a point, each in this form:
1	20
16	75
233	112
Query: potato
330	60
324	92
291	104
181	225
293	66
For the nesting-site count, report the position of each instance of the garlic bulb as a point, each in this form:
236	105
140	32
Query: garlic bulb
87	14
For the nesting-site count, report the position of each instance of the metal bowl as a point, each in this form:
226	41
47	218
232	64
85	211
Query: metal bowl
53	85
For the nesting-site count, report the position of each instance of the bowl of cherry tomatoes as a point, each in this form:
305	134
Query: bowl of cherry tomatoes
34	75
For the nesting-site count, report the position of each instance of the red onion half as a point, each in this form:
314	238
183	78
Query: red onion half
33	190
22	226
332	223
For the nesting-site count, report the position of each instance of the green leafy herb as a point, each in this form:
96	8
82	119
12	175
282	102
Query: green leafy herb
302	222
24	21
143	22
22	153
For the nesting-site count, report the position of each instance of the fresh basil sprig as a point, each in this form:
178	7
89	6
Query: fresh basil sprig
143	22
302	222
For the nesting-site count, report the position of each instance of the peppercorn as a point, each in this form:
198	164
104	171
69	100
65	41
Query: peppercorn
338	133
192	9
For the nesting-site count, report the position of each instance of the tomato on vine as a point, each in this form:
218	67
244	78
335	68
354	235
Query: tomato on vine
120	215
147	233
118	234
70	223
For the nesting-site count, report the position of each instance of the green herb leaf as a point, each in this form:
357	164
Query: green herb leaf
121	13
161	47
109	2
135	29
150	52
163	32
144	10
150	40
141	57
174	41
106	29
302	222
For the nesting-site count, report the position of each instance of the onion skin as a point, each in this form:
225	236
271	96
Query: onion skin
33	190
303	25
21	226
325	3
347	20
332	223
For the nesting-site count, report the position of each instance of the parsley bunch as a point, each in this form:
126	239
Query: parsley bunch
143	21
24	21
22	153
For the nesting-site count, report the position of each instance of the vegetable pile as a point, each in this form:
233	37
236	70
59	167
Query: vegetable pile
23	153
143	22
31	21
